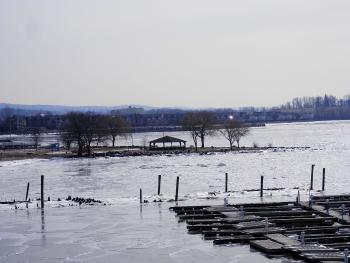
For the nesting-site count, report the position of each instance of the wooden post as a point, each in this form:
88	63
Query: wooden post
346	254
177	189
302	238
27	192
226	179
298	198
141	196
42	191
312	177
159	181
261	186
323	178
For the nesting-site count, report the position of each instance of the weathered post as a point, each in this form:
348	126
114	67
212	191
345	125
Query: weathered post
141	196
261	186
27	192
323	178
177	189
226	179
312	177
241	211
298	198
267	225
310	200
159	181
42	191
346	255
302	238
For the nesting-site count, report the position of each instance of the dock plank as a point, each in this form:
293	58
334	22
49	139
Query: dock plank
282	239
267	246
235	239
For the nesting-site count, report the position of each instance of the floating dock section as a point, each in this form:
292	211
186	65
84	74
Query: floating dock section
317	231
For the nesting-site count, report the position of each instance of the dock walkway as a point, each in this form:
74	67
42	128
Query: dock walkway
318	231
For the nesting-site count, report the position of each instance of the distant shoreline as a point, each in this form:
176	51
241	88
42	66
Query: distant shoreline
158	129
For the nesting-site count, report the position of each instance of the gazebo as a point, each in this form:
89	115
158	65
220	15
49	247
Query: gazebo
167	139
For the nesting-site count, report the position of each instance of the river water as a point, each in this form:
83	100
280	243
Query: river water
120	232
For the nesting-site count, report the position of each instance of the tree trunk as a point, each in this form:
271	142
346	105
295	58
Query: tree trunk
231	146
202	140
195	140
80	150
238	144
113	140
88	149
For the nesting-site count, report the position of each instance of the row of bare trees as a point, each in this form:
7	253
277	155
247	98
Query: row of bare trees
201	124
327	101
85	130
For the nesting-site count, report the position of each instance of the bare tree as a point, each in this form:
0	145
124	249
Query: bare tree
73	127
87	130
116	127
233	131
93	130
200	124
36	136
67	139
206	127
80	127
228	132
189	123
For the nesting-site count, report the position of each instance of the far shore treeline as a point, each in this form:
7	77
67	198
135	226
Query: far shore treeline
17	118
84	130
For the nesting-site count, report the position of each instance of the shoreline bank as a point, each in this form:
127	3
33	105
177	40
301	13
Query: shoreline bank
13	155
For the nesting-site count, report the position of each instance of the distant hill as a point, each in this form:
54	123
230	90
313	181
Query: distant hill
61	109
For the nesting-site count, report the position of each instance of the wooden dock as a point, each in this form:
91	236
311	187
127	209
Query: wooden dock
318	231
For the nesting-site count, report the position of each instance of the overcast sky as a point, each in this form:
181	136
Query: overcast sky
173	53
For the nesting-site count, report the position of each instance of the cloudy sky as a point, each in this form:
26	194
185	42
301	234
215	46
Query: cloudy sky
173	53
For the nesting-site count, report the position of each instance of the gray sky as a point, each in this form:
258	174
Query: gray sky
173	53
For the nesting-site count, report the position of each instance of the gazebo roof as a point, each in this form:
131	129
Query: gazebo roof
166	139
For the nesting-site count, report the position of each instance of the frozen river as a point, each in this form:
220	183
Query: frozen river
119	232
